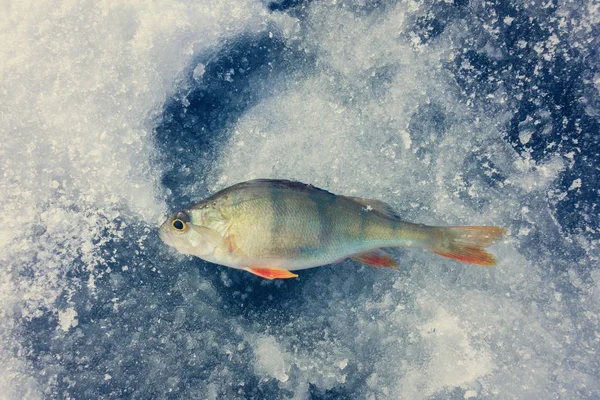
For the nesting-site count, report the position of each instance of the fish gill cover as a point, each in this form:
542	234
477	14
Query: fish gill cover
454	112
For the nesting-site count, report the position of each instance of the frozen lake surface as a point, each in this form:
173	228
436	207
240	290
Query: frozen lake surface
454	112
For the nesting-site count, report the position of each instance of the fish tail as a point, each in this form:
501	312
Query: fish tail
466	243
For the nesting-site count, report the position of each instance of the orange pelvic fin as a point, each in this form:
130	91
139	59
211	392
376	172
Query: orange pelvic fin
376	258
466	243
272	273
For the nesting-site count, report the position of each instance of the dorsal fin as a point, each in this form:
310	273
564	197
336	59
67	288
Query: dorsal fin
369	204
377	205
270	183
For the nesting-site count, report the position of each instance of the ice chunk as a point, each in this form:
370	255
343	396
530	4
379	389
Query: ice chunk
67	319
270	359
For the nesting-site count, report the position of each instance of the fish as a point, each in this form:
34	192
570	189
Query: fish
272	227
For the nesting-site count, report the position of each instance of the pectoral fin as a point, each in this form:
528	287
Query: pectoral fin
376	258
272	273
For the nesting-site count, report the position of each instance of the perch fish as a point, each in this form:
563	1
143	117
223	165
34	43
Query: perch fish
273	227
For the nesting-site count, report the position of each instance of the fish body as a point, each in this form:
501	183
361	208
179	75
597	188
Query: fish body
271	227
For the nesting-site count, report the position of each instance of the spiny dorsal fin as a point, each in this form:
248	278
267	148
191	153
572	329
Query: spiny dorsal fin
270	183
377	205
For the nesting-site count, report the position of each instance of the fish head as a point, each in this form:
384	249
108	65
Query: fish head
184	231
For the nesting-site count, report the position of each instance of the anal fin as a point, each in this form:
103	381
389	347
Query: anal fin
272	273
376	258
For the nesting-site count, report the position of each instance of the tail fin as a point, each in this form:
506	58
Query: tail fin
466	243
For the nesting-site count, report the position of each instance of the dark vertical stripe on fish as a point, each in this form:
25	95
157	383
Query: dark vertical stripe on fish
326	224
393	227
364	221
277	218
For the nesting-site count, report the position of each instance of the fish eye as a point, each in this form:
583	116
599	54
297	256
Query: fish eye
178	224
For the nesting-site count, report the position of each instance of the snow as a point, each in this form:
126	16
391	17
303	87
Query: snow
67	319
576	184
270	359
115	114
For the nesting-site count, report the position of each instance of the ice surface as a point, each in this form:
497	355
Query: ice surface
453	112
